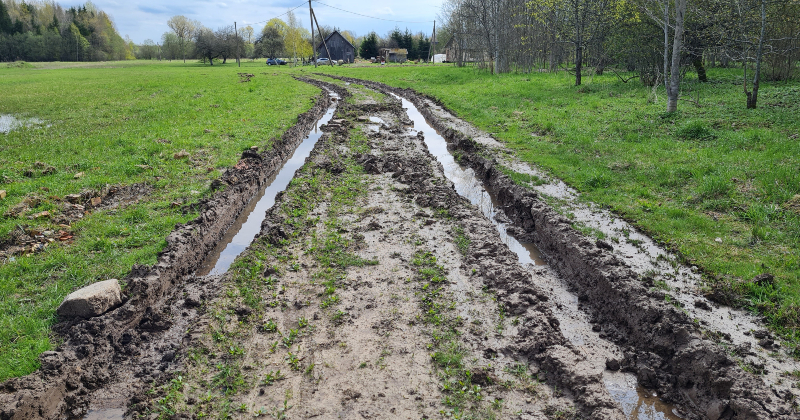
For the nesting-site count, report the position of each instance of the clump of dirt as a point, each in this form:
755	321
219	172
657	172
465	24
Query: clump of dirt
245	77
793	204
71	208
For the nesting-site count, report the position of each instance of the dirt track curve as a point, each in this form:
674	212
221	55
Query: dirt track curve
375	290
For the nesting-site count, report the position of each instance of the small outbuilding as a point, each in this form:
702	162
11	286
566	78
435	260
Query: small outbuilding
394	55
339	47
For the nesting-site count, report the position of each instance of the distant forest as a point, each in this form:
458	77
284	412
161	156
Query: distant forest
45	31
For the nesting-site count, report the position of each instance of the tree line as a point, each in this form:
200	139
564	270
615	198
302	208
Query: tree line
45	31
190	39
659	40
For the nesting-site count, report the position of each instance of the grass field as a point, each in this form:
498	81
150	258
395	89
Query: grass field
711	171
120	124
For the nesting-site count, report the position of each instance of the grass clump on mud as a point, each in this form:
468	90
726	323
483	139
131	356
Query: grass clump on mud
169	127
714	182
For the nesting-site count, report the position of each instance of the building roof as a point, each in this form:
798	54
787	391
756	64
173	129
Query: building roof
321	45
395	50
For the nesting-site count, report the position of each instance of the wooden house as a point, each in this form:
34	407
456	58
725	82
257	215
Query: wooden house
339	47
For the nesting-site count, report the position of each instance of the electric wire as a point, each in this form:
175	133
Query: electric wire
371	17
282	14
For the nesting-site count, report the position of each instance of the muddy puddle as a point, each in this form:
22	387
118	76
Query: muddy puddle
248	224
637	402
468	185
9	123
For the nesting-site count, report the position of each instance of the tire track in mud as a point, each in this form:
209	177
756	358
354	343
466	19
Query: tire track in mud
661	344
368	294
113	356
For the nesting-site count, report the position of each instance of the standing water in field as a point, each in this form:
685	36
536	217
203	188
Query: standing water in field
9	123
248	224
637	403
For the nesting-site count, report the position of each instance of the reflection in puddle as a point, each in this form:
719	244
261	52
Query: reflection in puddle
248	224
9	123
105	414
636	402
469	187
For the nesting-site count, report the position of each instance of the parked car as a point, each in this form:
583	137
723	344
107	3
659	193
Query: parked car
280	62
323	60
274	62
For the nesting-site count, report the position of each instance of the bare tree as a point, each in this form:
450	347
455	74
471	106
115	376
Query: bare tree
184	29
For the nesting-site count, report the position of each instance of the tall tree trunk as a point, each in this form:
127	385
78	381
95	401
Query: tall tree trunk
666	45
752	97
697	62
578	63
677	46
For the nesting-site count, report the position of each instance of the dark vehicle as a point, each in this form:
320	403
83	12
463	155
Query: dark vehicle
272	62
280	62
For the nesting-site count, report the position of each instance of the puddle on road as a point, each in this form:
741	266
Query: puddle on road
469	186
637	403
105	414
248	224
9	123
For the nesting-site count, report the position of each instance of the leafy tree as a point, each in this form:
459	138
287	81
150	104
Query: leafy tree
184	28
6	26
270	43
369	47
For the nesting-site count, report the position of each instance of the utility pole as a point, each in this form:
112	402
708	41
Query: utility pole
432	47
322	38
236	35
313	49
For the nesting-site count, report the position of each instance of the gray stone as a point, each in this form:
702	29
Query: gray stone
92	300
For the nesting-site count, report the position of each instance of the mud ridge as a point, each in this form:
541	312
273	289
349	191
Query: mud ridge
101	351
662	346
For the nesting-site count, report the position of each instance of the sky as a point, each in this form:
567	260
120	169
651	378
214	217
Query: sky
147	19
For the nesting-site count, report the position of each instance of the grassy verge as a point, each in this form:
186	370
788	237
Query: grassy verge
717	183
119	124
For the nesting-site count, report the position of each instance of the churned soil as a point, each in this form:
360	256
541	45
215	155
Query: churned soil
374	290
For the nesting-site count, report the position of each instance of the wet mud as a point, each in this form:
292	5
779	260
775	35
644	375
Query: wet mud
399	274
666	350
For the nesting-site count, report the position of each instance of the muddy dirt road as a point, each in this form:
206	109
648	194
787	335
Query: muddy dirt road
394	272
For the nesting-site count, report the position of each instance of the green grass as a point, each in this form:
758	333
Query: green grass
714	171
104	121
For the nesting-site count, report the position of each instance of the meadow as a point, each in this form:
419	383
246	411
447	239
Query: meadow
117	123
714	182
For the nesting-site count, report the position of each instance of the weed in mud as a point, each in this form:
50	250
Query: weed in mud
292	360
461	240
270	326
272	377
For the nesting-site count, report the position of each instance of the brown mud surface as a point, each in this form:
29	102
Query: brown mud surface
662	345
375	289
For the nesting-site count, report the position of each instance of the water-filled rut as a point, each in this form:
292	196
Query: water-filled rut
636	402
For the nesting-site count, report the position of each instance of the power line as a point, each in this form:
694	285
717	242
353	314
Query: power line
371	17
282	14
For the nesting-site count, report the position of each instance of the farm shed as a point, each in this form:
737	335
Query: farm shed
394	55
339	47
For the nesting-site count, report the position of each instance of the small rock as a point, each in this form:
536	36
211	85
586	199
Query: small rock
254	148
93	300
2	194
183	154
718	240
73	198
96	201
79	175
